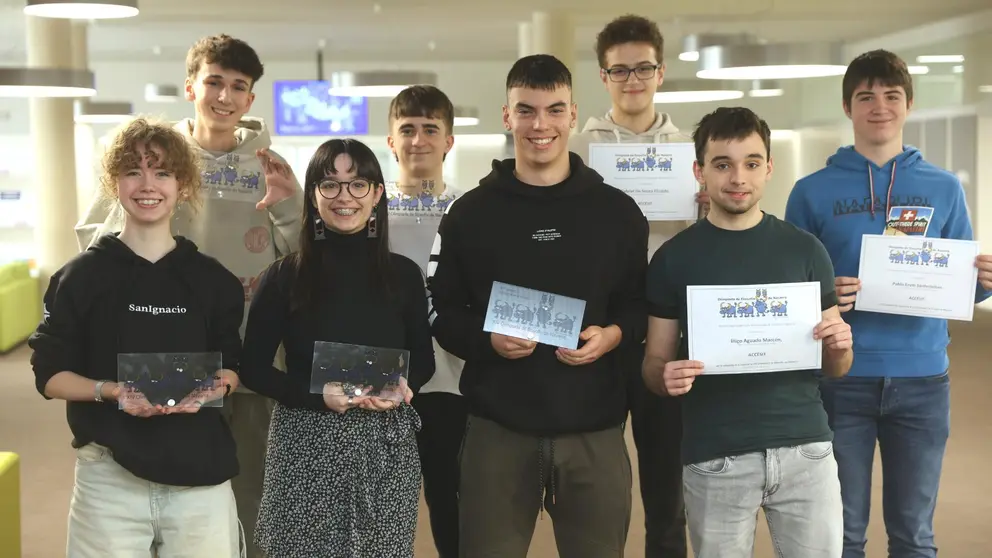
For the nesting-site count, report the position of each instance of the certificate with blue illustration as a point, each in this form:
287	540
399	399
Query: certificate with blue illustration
533	315
918	276
657	175
747	329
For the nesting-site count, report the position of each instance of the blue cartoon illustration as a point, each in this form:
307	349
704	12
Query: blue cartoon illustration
926	255
649	161
760	305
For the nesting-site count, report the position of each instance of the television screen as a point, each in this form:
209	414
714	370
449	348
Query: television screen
304	108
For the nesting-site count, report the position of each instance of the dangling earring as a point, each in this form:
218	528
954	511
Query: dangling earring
372	224
318	229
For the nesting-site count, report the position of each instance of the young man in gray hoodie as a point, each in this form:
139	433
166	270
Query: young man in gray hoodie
629	50
251	216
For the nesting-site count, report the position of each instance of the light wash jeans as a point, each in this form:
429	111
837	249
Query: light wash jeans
797	487
114	513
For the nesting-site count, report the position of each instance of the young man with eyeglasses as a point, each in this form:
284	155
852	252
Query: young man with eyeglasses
421	122
630	50
545	426
251	216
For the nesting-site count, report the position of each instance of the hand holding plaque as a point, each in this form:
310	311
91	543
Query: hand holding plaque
166	381
358	376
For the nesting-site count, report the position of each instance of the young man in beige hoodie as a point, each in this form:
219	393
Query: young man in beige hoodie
629	50
252	215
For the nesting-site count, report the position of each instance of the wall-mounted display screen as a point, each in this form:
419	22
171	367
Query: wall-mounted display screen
305	108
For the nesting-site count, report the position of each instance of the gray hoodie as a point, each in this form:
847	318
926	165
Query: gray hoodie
605	130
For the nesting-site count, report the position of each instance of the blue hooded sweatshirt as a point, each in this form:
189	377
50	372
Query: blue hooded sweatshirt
853	196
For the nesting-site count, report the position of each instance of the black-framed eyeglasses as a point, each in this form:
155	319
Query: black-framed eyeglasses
358	188
641	72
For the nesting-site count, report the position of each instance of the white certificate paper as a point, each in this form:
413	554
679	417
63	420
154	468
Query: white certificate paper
546	318
918	276
754	328
657	175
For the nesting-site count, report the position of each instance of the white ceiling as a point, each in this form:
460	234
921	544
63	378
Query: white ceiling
402	30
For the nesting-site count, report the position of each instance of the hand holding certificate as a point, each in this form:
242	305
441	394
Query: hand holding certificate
918	276
755	328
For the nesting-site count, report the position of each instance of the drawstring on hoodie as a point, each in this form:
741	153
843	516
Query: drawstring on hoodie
888	195
551	471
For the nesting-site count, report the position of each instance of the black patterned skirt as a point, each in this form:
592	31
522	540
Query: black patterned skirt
340	486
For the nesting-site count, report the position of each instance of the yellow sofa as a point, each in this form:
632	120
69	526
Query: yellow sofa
10	506
20	304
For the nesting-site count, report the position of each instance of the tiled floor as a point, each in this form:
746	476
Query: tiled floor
36	429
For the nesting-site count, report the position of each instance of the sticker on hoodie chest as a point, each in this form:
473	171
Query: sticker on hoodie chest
223	178
908	221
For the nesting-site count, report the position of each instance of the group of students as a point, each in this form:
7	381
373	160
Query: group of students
202	240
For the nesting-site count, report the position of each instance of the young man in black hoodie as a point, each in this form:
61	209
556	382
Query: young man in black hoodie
546	424
147	476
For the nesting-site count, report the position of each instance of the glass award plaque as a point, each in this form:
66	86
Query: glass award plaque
547	318
359	371
169	379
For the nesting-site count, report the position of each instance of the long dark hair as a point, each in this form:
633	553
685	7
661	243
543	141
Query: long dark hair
307	260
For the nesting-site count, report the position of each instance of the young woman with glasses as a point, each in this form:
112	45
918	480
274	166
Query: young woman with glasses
342	473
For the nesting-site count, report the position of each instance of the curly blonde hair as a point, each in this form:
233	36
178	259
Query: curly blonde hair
178	157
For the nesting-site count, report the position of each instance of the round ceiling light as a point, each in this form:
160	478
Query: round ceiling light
46	82
82	9
465	116
771	61
95	112
156	93
692	43
376	84
765	88
695	91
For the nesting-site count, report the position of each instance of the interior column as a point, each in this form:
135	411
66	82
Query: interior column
49	45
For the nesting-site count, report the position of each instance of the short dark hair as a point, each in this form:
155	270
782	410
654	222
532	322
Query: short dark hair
226	51
539	71
425	101
730	123
629	29
877	66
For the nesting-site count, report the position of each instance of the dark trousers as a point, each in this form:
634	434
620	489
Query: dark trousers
656	423
248	415
439	440
582	480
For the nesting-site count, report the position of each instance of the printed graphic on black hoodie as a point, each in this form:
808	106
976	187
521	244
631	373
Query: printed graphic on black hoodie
580	238
108	300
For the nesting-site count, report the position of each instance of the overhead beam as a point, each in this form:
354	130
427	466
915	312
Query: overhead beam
927	34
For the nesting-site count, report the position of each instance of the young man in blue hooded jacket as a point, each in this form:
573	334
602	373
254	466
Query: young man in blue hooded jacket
898	389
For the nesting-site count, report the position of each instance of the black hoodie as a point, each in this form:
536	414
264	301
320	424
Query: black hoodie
108	300
581	238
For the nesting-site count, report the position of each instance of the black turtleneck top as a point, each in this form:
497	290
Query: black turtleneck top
352	307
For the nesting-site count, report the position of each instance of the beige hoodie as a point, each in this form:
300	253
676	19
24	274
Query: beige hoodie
605	130
227	226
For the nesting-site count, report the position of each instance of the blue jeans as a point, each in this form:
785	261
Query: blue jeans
797	487
911	419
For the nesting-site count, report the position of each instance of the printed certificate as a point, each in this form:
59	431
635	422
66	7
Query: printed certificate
657	175
754	328
918	276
